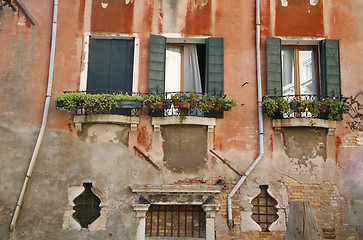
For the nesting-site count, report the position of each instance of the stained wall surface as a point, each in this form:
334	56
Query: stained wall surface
299	164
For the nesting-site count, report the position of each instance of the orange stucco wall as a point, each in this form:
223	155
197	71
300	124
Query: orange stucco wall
25	58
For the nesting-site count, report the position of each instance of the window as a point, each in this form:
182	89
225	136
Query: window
176	67
300	69
185	67
264	211
176	221
87	206
110	65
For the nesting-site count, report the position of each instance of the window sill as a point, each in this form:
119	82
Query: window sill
304	122
189	120
105	118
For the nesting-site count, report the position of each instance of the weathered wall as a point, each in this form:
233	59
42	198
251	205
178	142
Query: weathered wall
65	161
298	163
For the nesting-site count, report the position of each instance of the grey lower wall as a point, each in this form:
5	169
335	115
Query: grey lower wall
66	161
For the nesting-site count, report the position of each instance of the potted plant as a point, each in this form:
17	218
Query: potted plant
275	107
155	104
294	105
127	101
99	103
225	103
181	100
71	102
205	103
332	109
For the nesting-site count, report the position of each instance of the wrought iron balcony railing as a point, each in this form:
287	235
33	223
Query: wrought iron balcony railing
132	104
304	106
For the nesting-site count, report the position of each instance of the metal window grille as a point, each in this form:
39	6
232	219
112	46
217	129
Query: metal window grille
175	221
87	206
264	211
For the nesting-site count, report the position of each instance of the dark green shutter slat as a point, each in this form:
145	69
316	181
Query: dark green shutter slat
110	64
99	64
274	65
214	66
121	68
157	63
330	68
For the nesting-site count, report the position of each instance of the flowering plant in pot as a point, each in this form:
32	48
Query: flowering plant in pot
154	101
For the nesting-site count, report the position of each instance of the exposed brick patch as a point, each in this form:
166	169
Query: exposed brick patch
329	233
327	204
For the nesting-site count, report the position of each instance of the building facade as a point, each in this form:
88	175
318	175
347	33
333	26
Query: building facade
172	173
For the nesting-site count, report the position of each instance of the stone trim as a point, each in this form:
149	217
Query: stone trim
157	189
304	122
189	120
78	121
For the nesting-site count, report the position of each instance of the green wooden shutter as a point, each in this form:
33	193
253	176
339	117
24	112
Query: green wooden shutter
98	76
330	68
214	66
157	63
274	66
110	65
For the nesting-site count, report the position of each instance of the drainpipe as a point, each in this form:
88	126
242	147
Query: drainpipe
260	118
44	121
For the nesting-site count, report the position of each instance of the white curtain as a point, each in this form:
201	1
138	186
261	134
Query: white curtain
191	73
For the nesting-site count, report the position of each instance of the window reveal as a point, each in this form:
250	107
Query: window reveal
264	211
175	221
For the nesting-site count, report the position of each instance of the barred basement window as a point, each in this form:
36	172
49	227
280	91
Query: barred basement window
264	211
175	221
87	206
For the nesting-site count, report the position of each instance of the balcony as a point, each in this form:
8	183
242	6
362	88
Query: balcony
304	107
181	104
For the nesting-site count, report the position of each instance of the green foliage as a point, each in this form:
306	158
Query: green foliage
332	108
273	106
104	103
152	101
91	103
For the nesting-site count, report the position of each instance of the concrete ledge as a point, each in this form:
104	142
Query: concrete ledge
157	189
303	122
192	120
105	118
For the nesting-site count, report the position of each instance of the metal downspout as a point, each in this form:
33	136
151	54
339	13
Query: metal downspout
44	121
260	118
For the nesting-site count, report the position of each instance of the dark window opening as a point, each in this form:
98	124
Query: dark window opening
264	211
87	206
175	221
201	61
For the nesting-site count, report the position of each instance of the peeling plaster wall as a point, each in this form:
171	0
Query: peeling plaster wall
295	159
183	153
65	161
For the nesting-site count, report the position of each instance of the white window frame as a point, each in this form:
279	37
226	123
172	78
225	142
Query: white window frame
86	40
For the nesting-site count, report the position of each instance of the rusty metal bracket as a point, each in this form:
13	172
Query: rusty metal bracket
225	161
23	10
147	158
8	3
